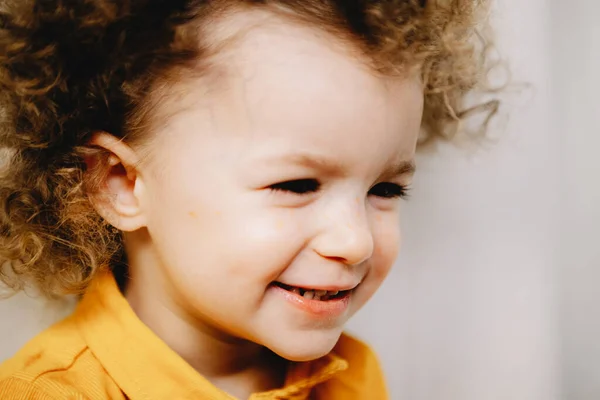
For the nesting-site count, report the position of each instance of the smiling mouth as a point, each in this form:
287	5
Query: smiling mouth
314	294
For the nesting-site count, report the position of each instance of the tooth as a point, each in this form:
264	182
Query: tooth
320	293
333	292
309	294
295	290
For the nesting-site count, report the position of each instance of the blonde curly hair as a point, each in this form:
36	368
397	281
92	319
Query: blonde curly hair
69	68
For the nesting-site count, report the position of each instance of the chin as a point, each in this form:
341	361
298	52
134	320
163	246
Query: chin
304	345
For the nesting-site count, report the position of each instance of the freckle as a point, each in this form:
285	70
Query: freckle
378	218
193	214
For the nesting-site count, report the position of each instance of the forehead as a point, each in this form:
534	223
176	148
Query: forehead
293	72
287	85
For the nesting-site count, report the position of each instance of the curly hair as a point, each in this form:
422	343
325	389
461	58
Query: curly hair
69	68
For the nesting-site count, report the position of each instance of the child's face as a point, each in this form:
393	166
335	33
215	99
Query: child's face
296	113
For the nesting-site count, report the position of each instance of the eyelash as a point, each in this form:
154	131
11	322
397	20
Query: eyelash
299	186
306	186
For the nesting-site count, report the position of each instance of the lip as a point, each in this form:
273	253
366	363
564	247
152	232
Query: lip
317	308
342	288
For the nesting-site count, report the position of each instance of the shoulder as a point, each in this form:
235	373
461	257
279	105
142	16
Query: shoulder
364	377
47	367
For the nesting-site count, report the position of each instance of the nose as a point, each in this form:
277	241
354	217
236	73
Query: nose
347	237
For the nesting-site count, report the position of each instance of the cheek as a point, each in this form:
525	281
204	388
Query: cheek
231	252
234	237
386	235
387	247
266	242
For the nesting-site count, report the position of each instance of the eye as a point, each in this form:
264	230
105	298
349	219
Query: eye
389	190
299	186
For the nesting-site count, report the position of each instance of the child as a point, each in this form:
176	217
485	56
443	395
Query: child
223	181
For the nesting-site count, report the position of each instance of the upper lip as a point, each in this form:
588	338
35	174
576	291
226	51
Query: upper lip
329	288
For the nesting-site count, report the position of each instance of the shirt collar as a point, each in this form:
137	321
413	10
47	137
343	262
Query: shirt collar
144	367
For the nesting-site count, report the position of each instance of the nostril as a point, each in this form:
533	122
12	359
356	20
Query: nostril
351	260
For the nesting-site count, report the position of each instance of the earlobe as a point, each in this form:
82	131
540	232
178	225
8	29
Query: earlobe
117	196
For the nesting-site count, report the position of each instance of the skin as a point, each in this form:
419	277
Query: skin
205	231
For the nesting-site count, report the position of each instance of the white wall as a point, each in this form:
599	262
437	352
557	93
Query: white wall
576	63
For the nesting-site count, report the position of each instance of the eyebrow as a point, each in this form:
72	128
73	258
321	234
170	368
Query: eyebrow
314	162
402	168
332	167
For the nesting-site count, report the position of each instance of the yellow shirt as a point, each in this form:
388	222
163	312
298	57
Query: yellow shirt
103	351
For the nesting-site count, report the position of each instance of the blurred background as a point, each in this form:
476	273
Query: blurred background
496	295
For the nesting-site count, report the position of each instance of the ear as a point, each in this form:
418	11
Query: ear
117	195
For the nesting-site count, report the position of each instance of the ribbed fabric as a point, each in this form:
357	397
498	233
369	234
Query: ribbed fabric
103	351
13	388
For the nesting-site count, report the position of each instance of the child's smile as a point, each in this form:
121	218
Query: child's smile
324	302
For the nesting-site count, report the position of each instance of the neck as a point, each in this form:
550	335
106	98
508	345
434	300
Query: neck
235	365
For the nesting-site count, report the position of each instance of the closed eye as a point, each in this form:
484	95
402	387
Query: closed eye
299	186
389	190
